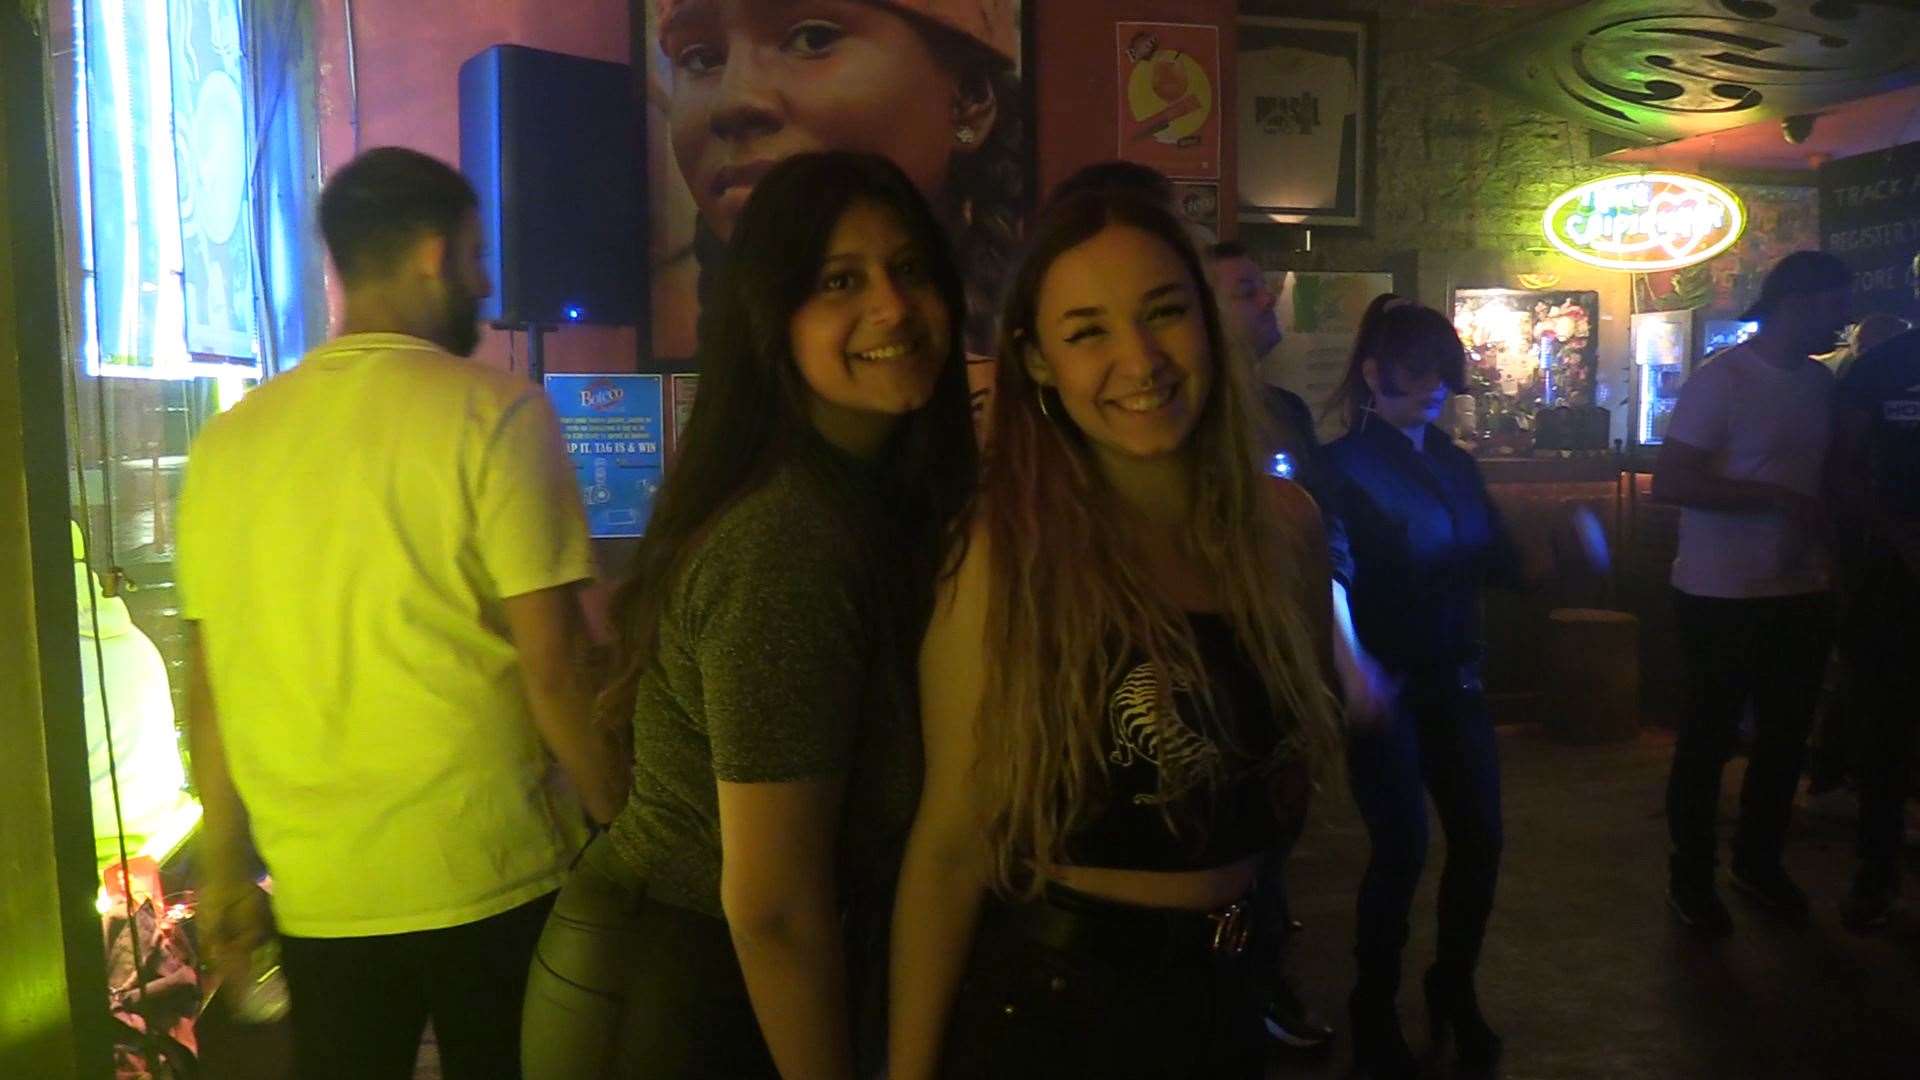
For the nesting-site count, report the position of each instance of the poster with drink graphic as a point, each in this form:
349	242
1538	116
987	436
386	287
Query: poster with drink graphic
1169	97
616	440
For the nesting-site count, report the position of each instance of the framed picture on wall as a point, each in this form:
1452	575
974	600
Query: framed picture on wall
1304	116
1528	353
1320	314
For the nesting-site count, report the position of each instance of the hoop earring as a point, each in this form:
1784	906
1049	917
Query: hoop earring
1040	395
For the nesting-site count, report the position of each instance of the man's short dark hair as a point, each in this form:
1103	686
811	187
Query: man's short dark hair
1227	249
1130	177
385	200
1800	273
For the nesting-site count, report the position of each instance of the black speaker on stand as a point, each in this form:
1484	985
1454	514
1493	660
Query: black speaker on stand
550	143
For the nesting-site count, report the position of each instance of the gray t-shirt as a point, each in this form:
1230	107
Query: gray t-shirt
1760	423
781	656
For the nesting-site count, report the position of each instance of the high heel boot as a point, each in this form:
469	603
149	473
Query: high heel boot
1453	1008
1380	1050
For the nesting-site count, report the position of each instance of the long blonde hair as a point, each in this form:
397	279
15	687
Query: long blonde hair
1070	606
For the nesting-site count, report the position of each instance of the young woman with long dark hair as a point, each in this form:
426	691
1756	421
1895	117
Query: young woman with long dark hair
1124	688
1425	539
715	929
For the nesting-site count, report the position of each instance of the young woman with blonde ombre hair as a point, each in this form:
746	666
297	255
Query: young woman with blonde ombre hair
1124	688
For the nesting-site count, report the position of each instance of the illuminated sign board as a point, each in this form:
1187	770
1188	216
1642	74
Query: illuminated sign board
1645	221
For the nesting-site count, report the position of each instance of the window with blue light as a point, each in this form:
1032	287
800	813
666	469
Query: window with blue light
189	168
166	246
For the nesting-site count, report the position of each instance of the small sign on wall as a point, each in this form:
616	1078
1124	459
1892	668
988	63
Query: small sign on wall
612	425
1169	97
1870	217
1199	207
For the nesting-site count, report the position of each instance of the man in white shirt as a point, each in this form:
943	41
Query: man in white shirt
378	558
1743	460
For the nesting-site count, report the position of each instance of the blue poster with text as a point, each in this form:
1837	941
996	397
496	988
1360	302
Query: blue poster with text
612	424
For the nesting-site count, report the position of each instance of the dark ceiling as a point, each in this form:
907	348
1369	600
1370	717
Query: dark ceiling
1857	127
1650	71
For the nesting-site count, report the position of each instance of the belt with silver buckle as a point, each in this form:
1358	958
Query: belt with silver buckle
1232	928
1075	922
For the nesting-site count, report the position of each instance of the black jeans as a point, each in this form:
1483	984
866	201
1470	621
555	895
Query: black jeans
1439	741
1273	889
1031	1010
625	986
361	1004
1877	639
1767	653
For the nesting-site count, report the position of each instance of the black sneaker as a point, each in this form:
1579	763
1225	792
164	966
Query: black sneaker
1701	909
1869	903
1772	889
1291	1023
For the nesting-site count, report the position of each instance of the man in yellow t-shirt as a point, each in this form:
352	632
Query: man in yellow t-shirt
378	557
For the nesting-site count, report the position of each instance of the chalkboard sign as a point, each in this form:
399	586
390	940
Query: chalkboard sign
1870	217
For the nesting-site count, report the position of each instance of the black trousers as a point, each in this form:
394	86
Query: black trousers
360	1005
1031	1010
1438	741
1273	888
1767	654
625	986
1878	638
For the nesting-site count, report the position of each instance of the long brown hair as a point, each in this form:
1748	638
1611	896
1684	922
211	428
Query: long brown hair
750	416
1069	602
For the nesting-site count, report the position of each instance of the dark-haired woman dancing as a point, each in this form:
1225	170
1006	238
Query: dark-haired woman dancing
1425	539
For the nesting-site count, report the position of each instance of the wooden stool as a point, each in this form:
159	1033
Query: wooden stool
1593	680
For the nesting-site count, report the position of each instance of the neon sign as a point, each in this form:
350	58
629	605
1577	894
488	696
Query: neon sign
1645	221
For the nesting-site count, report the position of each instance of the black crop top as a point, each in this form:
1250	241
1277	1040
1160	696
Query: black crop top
1241	818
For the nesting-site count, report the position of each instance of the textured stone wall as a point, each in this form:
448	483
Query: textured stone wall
1462	168
1457	167
1463	173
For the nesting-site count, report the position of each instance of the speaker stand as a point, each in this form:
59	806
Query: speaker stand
536	351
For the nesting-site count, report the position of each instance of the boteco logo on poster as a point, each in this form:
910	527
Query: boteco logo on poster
1645	221
601	395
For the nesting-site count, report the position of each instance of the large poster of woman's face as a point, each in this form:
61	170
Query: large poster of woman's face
733	86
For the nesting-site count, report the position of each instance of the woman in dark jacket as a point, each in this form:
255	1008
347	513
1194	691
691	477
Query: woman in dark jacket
1425	539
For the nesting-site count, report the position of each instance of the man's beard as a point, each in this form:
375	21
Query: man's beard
461	335
1820	341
